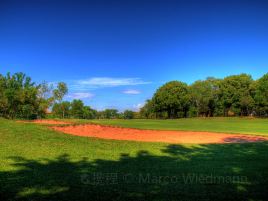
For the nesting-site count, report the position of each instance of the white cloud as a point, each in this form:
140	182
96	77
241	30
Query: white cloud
102	82
80	95
138	106
131	91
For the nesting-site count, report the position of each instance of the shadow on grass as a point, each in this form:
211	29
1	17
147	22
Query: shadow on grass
207	172
244	139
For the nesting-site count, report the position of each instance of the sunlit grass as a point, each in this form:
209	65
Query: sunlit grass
37	163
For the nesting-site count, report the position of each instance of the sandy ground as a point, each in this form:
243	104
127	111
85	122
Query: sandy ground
117	133
46	121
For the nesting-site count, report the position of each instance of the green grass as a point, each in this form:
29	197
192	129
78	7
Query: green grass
37	163
228	125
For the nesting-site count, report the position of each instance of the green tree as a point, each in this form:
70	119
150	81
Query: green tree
89	113
261	95
59	93
128	114
59	109
109	114
147	111
236	94
77	108
3	99
20	91
204	96
45	98
172	98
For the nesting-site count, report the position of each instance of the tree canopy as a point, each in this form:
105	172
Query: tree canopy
172	98
235	95
19	97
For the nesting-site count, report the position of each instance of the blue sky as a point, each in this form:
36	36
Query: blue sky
117	53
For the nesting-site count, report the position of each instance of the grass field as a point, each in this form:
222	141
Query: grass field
37	163
226	125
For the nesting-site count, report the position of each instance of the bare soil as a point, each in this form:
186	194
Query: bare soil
118	133
46	121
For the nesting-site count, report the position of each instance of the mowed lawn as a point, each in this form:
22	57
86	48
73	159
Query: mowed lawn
37	163
256	126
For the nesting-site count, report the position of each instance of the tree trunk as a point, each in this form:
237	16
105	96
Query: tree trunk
185	113
169	114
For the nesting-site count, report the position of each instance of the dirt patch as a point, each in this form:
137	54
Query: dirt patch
117	133
46	121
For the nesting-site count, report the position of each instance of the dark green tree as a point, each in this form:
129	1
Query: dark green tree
77	109
89	113
172	98
147	111
204	96
261	95
236	94
128	114
109	114
20	96
3	98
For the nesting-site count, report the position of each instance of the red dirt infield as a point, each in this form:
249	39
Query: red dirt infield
118	133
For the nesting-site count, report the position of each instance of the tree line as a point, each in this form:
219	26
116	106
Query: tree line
77	109
22	98
236	95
